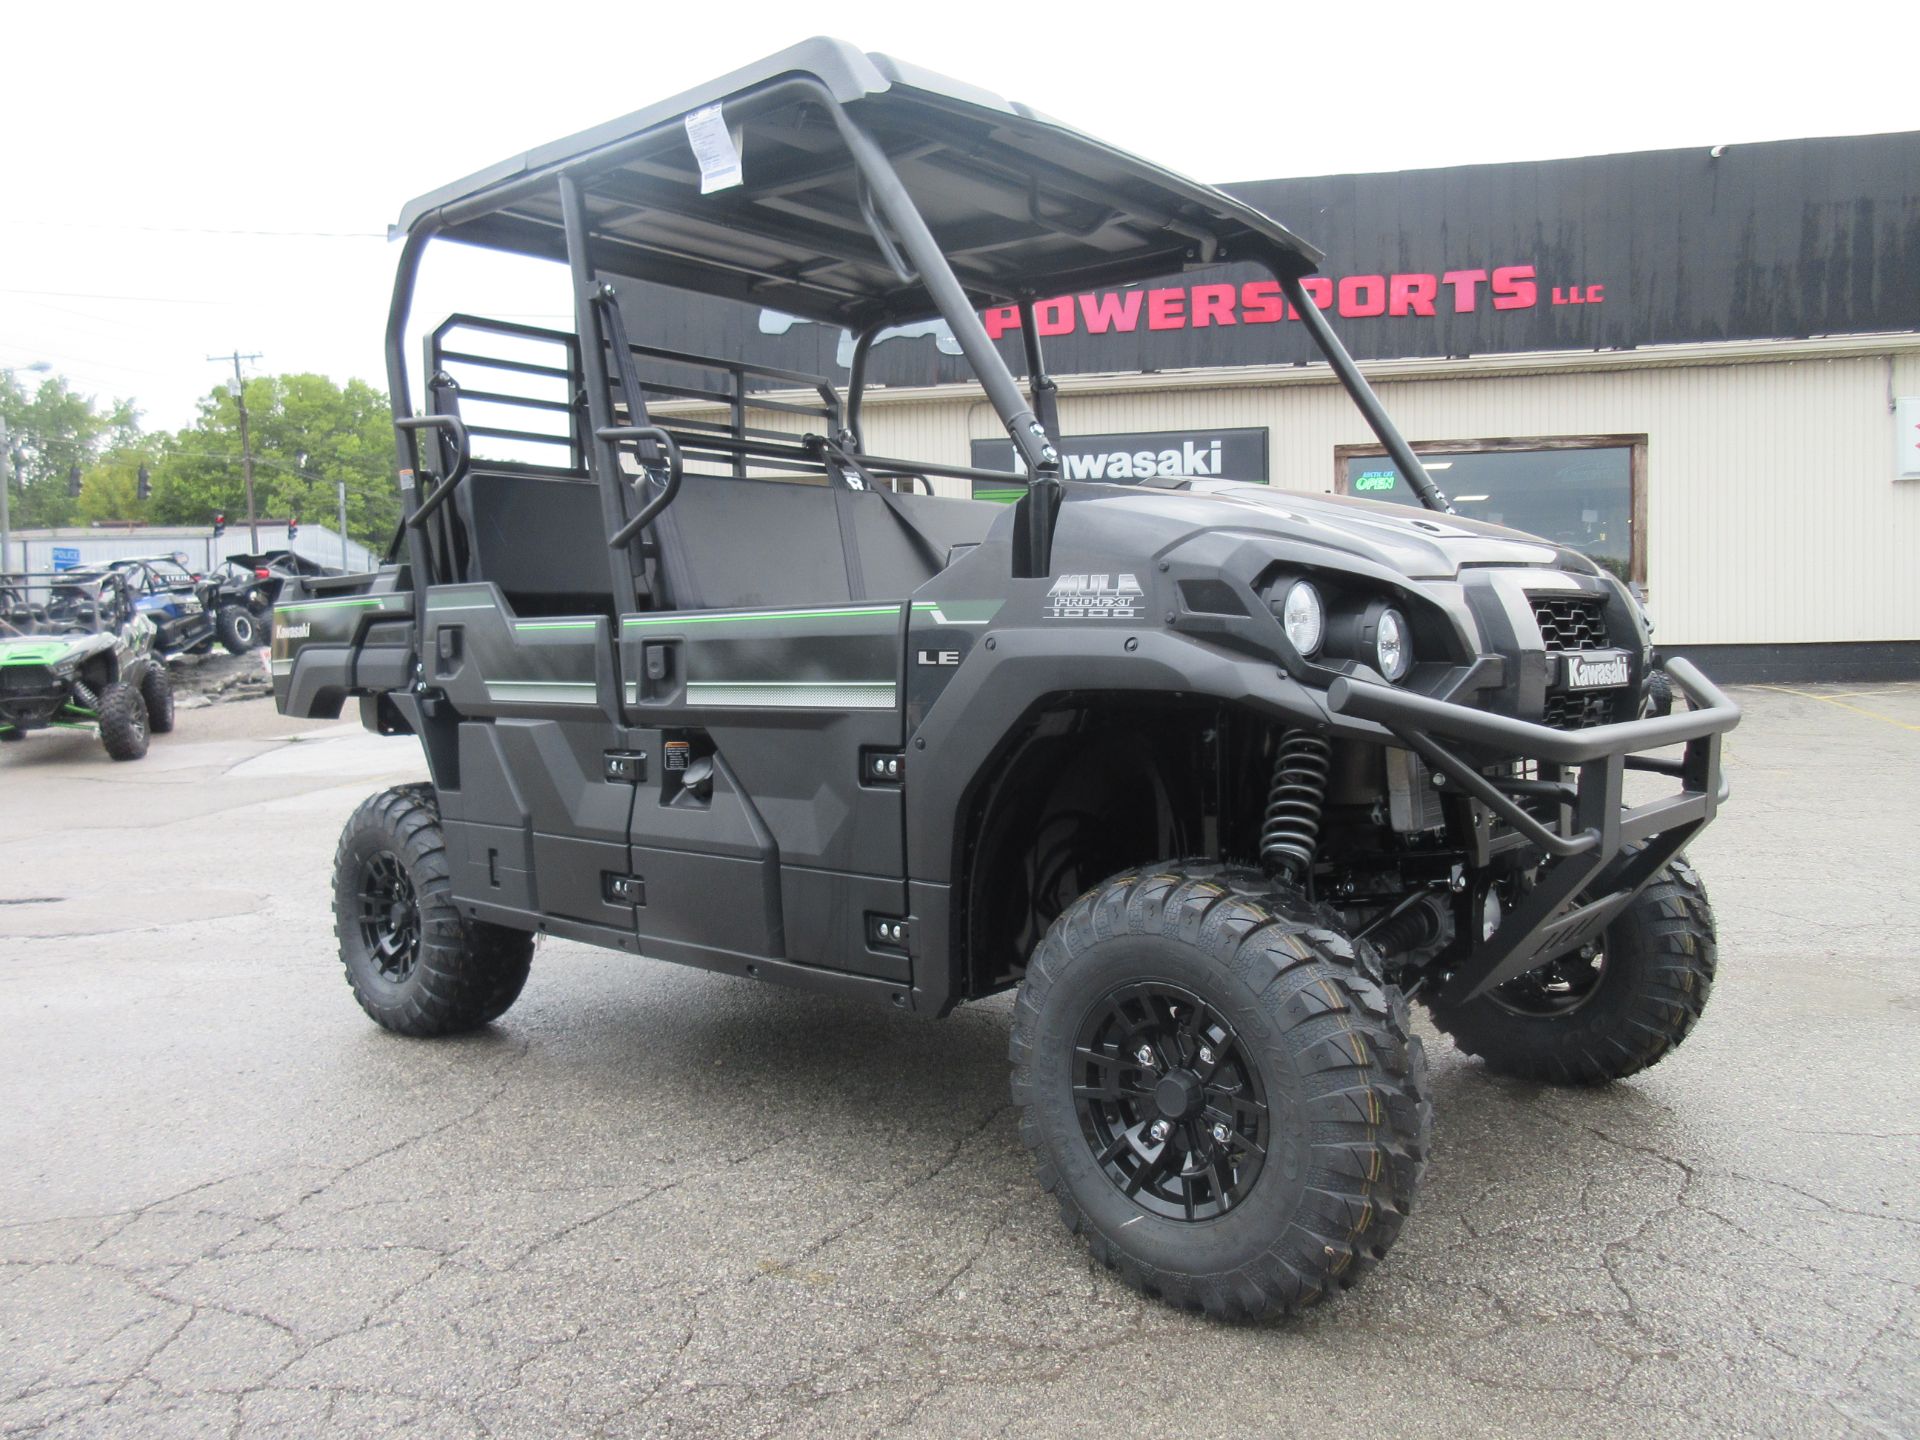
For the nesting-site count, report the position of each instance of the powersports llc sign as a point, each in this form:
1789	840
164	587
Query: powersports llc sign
1128	459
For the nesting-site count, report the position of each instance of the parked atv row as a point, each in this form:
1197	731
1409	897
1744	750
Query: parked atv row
231	606
77	652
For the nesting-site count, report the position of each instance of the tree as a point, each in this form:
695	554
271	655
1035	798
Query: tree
345	433
111	489
55	428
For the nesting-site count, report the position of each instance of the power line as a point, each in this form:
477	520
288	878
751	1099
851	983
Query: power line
207	230
92	295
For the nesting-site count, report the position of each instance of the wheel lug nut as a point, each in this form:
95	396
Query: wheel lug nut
1221	1134
1206	1055
1144	1055
1159	1130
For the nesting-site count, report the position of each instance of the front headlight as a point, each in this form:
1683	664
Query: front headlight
1392	645
1303	617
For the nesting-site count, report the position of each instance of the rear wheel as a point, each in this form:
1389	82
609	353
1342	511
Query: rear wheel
1219	1089
156	688
239	631
122	718
416	965
1609	1010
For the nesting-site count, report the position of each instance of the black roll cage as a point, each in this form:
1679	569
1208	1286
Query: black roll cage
901	235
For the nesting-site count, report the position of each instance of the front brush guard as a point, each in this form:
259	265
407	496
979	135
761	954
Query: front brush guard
1589	876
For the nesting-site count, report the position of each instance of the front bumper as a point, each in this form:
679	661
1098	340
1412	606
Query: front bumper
1590	873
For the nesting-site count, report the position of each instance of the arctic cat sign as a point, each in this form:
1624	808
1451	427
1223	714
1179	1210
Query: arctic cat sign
1129	459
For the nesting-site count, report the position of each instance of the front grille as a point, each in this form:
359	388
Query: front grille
25	679
1571	622
1583	711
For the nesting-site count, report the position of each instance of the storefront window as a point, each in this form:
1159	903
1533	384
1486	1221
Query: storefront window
1575	492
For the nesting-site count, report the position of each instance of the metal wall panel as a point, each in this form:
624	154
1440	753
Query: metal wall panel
1772	511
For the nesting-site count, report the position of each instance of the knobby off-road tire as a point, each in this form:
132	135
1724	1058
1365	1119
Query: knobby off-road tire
122	718
239	631
1588	1023
156	689
1325	1097
416	965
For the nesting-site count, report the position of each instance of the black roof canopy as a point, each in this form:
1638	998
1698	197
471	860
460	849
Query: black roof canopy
1020	205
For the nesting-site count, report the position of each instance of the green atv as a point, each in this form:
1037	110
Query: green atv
74	653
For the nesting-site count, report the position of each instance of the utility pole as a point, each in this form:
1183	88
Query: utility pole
246	446
6	485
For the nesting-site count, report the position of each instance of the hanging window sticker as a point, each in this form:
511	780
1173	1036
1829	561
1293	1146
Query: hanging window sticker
713	147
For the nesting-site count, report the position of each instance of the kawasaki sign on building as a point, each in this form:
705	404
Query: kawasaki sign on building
1182	454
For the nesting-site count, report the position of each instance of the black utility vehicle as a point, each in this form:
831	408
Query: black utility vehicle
1216	776
168	594
241	592
75	653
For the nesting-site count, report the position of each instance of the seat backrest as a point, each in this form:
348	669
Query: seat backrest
760	542
905	540
541	539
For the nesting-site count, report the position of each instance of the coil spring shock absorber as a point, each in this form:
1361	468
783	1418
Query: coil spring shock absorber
1290	831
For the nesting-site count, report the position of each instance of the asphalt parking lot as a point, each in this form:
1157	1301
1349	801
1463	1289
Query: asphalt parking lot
657	1202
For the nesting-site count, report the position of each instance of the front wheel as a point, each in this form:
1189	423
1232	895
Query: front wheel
1609	1010
156	689
122	719
416	965
1219	1088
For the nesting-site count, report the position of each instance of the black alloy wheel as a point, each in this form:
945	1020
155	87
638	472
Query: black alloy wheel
1606	1011
1169	1102
1557	988
416	963
389	916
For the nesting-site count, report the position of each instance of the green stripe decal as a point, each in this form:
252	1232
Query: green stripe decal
379	601
553	624
793	694
544	692
847	612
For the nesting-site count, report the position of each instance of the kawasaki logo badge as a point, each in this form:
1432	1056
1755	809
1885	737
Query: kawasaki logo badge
1596	671
296	632
1092	597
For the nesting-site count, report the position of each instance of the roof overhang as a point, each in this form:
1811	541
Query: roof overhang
1022	206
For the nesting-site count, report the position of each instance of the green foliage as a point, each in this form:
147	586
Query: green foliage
53	428
346	433
111	489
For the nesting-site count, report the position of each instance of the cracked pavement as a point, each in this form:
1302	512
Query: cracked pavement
657	1202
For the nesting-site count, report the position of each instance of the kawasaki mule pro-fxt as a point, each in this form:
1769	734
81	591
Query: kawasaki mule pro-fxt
76	653
1215	776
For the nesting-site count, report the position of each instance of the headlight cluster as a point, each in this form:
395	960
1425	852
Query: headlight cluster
1376	634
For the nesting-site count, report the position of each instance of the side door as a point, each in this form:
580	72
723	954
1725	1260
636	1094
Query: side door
771	702
536	818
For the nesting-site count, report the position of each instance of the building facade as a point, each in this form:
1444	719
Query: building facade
1701	367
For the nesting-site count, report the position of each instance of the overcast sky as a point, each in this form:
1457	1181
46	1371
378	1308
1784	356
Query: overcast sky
143	142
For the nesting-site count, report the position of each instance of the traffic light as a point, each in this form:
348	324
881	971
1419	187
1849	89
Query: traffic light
145	483
219	525
73	483
293	529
